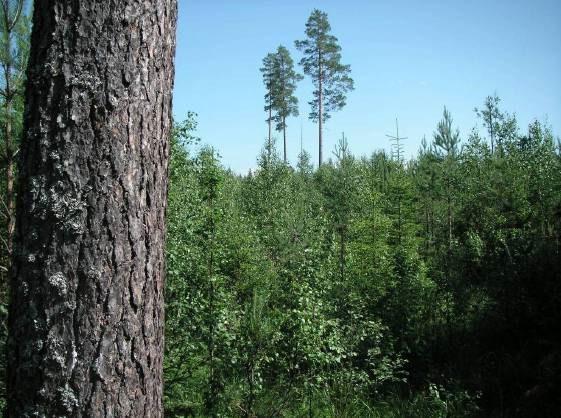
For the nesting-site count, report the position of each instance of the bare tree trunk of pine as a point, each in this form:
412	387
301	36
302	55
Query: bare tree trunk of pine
86	311
284	137
492	134
320	107
270	120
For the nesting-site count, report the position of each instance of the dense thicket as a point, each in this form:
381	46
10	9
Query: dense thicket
368	287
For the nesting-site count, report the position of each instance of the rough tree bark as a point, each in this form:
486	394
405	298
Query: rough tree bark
86	311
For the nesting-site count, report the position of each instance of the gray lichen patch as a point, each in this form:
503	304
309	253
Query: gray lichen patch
68	399
24	287
57	351
101	367
74	227
59	203
93	273
58	281
60	122
72	359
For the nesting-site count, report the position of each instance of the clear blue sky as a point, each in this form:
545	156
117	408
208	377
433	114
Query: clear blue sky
408	59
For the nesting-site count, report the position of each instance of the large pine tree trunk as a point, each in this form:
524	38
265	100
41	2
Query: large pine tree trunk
86	313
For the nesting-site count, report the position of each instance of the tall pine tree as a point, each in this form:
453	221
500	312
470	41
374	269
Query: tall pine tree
268	71
322	62
284	101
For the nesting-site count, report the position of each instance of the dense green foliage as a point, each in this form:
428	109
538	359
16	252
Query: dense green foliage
368	287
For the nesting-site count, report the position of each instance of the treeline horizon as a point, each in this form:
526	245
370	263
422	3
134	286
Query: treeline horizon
491	106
